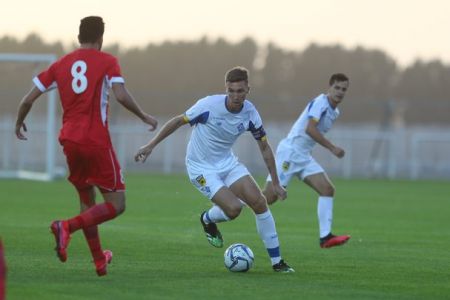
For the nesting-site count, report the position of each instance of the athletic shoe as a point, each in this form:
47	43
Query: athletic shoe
282	267
332	240
212	233
60	230
101	265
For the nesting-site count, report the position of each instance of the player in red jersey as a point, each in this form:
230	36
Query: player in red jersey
83	79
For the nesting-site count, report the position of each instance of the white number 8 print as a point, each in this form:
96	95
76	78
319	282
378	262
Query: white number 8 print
79	82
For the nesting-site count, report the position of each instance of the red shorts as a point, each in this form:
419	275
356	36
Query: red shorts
93	166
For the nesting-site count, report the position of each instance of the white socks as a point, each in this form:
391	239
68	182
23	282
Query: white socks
215	215
325	214
265	224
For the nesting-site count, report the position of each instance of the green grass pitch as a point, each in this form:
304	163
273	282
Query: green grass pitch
399	247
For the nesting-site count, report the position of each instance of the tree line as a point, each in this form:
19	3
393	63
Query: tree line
167	78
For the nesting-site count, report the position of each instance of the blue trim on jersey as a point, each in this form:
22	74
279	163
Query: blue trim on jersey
201	118
258	133
309	108
310	105
274	252
233	112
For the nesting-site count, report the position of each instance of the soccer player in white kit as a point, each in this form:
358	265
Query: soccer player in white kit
213	168
293	157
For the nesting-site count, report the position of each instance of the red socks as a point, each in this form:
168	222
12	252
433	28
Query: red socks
90	233
93	240
95	215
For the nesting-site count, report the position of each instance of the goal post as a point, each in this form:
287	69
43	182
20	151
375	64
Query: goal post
18	159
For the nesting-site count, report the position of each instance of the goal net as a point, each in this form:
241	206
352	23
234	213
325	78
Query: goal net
36	158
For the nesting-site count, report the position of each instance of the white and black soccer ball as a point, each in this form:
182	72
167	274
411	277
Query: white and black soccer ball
238	258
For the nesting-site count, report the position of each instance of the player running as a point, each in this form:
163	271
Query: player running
213	168
293	157
83	79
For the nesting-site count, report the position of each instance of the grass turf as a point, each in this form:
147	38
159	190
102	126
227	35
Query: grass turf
399	246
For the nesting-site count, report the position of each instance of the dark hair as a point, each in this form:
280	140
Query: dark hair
91	29
237	74
338	77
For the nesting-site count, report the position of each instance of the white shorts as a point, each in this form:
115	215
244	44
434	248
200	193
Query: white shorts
287	168
210	182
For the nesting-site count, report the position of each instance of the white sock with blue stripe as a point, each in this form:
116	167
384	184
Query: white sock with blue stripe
265	224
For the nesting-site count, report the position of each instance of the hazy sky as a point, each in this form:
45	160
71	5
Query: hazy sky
405	29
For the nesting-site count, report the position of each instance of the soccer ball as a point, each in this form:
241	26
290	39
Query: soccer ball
238	258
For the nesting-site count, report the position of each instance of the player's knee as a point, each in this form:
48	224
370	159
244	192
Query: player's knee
120	208
269	194
260	205
234	211
271	198
328	191
118	202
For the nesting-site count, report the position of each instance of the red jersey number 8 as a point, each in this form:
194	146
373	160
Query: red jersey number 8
79	82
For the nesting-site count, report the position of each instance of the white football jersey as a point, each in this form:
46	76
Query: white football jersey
216	129
319	109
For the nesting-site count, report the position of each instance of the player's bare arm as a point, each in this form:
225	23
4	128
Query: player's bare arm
124	97
24	108
314	133
269	159
167	129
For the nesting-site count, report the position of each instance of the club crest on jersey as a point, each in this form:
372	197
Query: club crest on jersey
285	165
201	180
241	128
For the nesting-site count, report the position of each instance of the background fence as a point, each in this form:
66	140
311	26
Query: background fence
410	153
